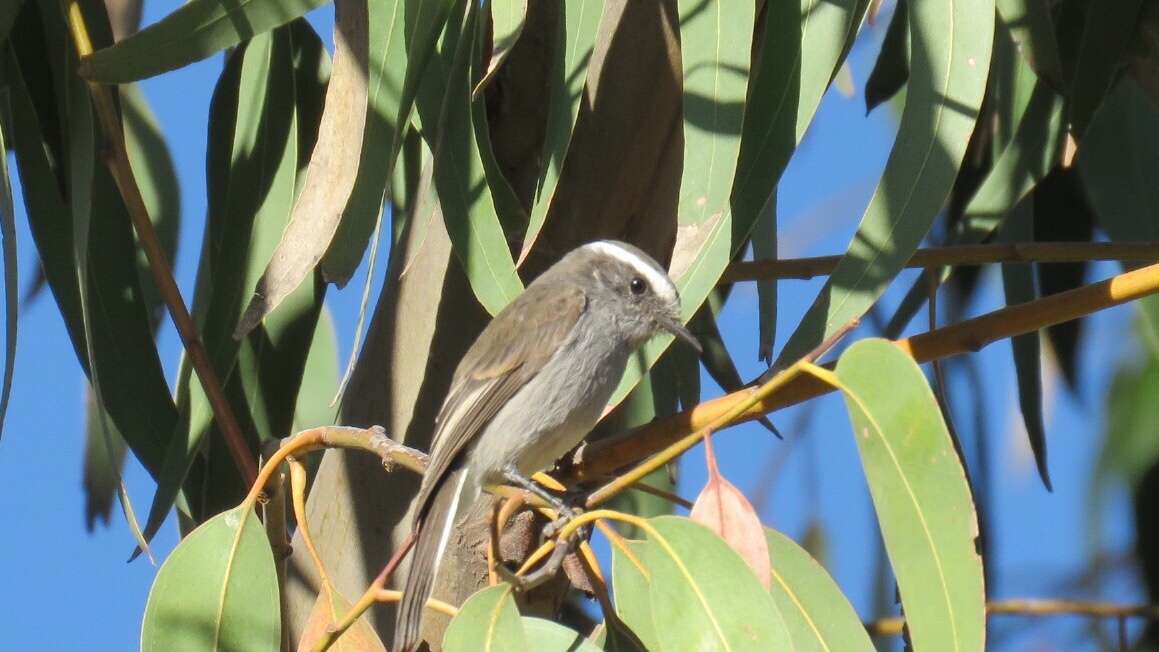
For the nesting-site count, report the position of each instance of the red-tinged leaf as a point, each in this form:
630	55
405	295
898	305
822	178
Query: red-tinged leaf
329	608
722	508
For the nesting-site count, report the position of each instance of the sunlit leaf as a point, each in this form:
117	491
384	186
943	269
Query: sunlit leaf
630	587
704	596
465	197
216	591
256	152
580	22
920	494
507	20
950	44
1033	31
548	636
488	620
191	33
818	615
319	378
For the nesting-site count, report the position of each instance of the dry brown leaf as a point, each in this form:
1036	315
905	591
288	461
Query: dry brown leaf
331	174
724	509
329	608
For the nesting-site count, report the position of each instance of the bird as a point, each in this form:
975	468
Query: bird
530	388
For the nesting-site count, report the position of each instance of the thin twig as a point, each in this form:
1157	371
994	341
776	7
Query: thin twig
1035	607
605	457
122	172
983	254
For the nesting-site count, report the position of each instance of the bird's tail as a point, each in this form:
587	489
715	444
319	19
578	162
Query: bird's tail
433	533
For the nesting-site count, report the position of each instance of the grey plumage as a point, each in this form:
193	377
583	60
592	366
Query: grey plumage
531	387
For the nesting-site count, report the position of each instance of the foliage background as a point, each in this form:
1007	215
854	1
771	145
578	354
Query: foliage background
808	486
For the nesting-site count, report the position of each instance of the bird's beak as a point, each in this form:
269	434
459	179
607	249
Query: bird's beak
676	328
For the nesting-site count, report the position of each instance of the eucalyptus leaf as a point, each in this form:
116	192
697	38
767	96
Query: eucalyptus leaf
632	594
818	615
580	22
920	494
704	596
487	620
217	590
950	46
891	70
547	636
195	31
11	280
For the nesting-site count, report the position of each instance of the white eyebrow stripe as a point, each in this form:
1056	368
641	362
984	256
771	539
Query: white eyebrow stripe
658	280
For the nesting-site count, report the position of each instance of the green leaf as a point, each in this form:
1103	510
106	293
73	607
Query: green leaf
632	593
195	31
259	135
8	13
764	241
546	636
461	186
381	140
1119	162
11	280
818	615
488	620
704	596
1020	285
1132	448
920	494
891	70
104	458
1033	31
319	378
217	590
950	44
507	18
580	22
803	48
135	391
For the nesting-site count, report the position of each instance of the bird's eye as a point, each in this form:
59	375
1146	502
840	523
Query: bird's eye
637	285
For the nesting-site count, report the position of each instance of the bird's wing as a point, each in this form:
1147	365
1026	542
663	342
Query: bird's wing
495	368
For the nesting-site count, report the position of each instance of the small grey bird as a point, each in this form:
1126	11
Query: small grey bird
531	388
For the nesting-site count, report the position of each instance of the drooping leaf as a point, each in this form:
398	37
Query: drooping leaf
817	614
330	177
217	590
950	45
380	141
104	458
488	620
1063	214
11	280
1033	31
632	595
704	596
548	636
891	70
507	20
1020	285
259	136
8	14
724	510
803	47
465	197
330	607
196	30
135	392
319	378
580	22
1119	161
920	494
1030	155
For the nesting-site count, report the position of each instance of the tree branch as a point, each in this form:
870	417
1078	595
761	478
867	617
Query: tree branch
1037	607
605	457
1018	252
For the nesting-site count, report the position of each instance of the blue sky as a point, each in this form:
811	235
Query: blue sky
65	589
